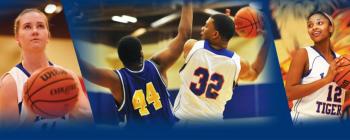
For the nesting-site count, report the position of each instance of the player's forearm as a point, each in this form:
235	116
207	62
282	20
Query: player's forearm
185	25
88	70
260	60
184	31
301	90
167	57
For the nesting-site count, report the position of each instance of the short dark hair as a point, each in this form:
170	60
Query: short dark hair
129	50
224	25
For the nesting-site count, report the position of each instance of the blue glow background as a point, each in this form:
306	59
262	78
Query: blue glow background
271	101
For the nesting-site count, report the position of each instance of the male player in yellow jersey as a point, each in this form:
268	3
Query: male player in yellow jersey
140	88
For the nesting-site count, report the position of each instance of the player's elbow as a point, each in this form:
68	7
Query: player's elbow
290	92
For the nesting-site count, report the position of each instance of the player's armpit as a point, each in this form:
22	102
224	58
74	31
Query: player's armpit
9	112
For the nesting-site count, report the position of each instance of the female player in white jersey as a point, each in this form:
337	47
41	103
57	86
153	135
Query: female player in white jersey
210	72
31	29
309	82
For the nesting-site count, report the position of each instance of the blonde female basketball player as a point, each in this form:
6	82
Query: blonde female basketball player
310	77
32	34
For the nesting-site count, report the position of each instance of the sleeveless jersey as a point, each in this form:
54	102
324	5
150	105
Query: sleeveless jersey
208	77
323	104
146	98
20	75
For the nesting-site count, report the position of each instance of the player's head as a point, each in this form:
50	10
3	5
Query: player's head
130	51
320	26
218	27
31	29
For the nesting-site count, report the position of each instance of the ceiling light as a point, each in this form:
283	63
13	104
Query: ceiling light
119	19
129	18
58	9
50	8
165	20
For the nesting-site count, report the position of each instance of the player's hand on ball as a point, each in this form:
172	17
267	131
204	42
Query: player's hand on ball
333	69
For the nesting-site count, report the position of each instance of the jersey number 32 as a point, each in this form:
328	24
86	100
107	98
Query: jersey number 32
210	84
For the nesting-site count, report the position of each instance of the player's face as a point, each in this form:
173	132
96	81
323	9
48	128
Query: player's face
208	30
33	33
319	28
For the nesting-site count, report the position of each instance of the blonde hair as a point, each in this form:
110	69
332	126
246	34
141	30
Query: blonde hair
25	11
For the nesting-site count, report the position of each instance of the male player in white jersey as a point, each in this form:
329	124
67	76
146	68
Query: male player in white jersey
211	72
32	34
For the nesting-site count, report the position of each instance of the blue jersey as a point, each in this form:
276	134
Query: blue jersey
146	98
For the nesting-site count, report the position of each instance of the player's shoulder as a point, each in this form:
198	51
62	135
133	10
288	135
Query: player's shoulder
189	45
300	58
191	42
301	52
149	64
7	79
7	82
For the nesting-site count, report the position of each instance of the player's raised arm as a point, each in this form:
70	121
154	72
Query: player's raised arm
169	55
252	71
103	77
9	112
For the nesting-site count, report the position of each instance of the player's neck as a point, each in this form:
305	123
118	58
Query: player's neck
135	67
32	62
323	46
219	45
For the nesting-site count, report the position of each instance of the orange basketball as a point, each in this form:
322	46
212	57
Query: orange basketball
343	78
248	22
51	92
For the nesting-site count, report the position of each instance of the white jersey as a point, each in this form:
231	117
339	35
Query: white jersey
323	104
208	78
20	75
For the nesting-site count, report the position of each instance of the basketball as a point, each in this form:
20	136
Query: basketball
51	92
248	22
343	78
